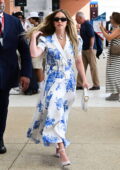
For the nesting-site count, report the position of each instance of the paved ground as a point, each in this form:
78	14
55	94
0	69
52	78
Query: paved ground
94	135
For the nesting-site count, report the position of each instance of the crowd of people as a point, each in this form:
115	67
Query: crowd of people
56	47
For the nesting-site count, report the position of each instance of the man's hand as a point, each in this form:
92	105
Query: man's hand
24	83
91	49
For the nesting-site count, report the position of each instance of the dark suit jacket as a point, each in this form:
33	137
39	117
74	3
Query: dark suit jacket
13	41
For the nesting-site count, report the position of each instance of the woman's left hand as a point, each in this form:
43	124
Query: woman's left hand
86	85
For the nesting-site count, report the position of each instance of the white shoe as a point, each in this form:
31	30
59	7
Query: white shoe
57	155
66	163
15	91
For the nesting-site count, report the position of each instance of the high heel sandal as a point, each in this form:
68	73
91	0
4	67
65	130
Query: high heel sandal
65	163
57	154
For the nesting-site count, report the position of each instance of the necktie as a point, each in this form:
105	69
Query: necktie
1	34
0	25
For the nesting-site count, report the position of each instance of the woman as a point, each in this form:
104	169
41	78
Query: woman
61	46
113	61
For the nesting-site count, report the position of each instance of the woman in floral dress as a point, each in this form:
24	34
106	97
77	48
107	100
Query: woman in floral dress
57	38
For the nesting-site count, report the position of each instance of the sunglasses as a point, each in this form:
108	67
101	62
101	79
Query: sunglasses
56	19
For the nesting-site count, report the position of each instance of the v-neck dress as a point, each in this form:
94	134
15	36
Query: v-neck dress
58	93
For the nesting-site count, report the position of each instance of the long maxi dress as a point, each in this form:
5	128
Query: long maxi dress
51	117
113	69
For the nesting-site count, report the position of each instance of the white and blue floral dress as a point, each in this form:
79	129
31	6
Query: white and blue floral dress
51	116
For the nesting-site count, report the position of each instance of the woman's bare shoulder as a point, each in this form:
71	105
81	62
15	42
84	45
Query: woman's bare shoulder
117	30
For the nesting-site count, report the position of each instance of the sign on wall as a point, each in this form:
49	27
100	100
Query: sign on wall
93	9
20	2
96	24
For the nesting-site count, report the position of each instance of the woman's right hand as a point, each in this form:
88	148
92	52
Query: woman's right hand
35	34
85	84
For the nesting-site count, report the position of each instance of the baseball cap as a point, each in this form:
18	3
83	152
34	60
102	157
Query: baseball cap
33	14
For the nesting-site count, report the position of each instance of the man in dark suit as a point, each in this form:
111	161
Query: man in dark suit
10	41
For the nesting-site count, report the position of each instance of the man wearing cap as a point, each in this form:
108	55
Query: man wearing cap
10	41
34	18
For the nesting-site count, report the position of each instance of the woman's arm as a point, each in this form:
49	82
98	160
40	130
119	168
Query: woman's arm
81	71
34	49
111	36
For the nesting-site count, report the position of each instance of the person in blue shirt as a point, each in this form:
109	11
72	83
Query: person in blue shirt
88	50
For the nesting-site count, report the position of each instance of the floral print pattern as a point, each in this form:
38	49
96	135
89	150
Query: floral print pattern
51	116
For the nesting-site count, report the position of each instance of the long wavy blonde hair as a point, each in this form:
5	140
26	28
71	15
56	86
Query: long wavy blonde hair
47	27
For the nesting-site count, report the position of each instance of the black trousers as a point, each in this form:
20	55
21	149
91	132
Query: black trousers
4	101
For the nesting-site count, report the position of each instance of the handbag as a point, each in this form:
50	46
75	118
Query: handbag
114	49
85	99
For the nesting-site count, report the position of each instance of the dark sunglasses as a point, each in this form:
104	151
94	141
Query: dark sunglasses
56	19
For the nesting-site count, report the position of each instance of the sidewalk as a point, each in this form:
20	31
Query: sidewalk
94	135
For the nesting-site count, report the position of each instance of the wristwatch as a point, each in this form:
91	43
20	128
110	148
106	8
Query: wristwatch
91	48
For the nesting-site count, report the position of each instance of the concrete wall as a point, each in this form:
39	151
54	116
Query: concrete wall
38	5
75	5
10	7
46	5
32	5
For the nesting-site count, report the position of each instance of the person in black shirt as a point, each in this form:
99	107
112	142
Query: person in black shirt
88	50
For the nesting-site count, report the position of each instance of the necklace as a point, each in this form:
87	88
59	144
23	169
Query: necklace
60	37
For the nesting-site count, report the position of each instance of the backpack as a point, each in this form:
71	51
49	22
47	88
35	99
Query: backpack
99	45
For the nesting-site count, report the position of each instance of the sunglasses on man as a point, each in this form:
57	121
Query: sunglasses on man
63	19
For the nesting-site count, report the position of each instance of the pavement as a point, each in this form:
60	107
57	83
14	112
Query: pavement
94	135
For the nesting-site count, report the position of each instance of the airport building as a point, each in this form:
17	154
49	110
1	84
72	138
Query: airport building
46	6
